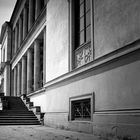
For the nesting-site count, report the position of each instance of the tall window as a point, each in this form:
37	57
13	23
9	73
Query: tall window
82	32
82	22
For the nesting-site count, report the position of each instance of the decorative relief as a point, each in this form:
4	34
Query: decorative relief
83	55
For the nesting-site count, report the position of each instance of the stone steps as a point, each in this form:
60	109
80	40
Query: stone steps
19	123
17	113
35	109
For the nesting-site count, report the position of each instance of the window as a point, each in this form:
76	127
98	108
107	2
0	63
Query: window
81	108
82	22
81	16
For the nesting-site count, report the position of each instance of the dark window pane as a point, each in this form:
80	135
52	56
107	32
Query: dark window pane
81	109
82	23
87	5
88	18
81	10
88	33
82	34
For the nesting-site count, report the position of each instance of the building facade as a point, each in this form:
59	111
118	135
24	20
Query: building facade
5	69
79	60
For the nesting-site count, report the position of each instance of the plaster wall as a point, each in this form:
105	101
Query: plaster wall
115	84
116	24
40	100
116	87
56	39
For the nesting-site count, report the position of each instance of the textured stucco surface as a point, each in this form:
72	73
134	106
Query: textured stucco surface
116	24
112	90
115	84
57	39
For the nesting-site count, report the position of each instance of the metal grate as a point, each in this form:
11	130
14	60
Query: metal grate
81	109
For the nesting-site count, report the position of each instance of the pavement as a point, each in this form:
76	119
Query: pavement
40	133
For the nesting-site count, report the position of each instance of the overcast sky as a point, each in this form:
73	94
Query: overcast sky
6	9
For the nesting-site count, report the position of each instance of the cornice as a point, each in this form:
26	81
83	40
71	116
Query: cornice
16	12
41	18
104	61
3	31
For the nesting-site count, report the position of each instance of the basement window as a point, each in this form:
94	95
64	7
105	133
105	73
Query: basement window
81	108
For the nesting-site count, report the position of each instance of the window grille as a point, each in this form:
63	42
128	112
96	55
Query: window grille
81	109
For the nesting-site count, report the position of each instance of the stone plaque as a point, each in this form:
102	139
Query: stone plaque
83	55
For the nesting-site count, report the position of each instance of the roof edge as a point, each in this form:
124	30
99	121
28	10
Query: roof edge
3	29
15	10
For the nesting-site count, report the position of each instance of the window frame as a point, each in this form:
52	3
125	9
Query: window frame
72	35
81	19
78	98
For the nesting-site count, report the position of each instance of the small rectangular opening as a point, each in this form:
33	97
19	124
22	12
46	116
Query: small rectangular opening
81	108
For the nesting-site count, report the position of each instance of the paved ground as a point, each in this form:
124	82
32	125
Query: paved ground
40	133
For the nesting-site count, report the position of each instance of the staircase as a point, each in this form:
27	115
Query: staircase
16	113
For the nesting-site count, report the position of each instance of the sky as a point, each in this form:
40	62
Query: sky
6	9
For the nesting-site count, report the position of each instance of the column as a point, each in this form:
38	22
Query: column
20	32
15	81
37	8
16	37
44	55
12	83
24	75
19	79
21	27
36	64
13	42
29	71
31	14
25	22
